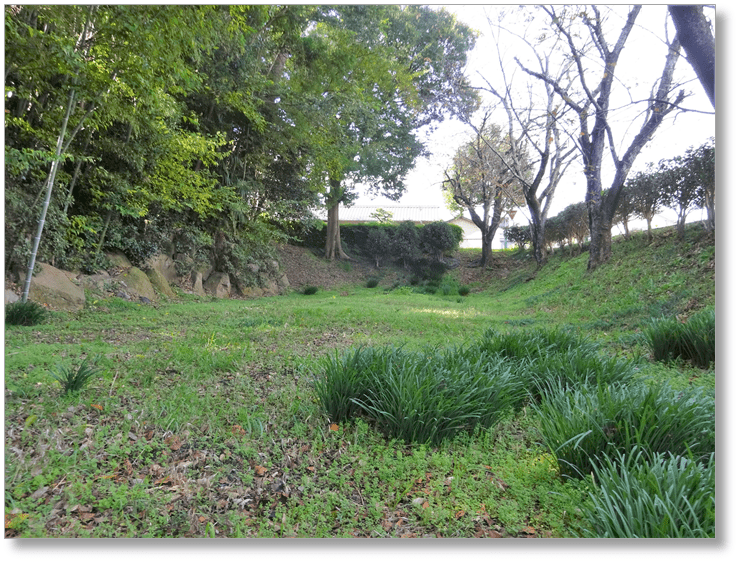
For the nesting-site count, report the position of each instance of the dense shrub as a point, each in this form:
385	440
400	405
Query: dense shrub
27	313
372	283
440	237
310	290
405	245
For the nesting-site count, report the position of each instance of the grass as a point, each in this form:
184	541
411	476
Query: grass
204	420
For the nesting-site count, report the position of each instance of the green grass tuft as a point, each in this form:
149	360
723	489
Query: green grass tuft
653	496
27	313
74	379
693	340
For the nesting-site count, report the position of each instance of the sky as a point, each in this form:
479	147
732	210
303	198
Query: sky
640	65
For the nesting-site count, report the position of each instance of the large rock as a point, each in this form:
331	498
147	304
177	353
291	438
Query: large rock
159	282
117	259
137	283
218	285
252	292
52	286
164	266
10	297
197	283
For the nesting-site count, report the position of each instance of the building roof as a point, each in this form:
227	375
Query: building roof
400	213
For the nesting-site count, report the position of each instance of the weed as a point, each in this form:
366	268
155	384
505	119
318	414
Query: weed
26	313
75	379
372	283
310	290
464	290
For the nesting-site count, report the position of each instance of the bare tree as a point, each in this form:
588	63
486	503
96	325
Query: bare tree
592	104
536	124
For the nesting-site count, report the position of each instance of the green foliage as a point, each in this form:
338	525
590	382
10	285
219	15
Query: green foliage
405	244
654	495
693	340
310	290
74	379
519	235
554	359
440	237
464	290
27	313
582	426
372	283
417	397
378	244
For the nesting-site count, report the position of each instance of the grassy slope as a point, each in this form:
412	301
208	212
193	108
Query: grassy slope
204	422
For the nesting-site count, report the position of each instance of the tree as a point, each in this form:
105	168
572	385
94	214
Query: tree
439	237
74	67
699	165
625	210
405	244
482	179
645	195
381	72
541	130
378	244
592	104
695	36
575	219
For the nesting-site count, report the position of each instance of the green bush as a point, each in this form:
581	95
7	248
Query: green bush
464	290
372	283
27	313
693	341
310	290
653	496
583	426
74	379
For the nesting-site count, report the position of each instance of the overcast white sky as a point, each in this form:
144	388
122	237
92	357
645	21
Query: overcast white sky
645	54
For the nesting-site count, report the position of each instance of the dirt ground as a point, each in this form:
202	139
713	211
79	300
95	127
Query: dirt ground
304	268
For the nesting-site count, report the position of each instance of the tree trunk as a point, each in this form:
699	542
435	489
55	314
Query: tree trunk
487	248
49	186
600	244
538	245
694	33
333	232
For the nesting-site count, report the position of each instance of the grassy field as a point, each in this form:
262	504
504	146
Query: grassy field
204	420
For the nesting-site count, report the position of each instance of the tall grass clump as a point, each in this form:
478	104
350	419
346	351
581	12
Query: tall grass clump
555	358
652	496
346	377
583	426
418	397
26	313
693	340
74	379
